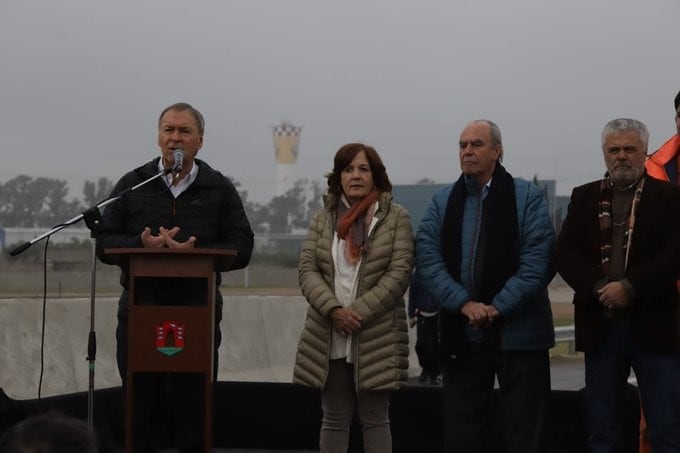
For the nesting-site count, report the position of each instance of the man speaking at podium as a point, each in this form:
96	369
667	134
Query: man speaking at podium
192	205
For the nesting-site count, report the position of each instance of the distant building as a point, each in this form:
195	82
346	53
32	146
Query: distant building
415	198
286	147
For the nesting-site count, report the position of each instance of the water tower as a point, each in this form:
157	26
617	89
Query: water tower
286	142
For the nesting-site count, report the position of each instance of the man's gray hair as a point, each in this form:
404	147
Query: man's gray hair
625	125
496	139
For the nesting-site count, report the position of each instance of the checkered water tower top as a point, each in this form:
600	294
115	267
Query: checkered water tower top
286	142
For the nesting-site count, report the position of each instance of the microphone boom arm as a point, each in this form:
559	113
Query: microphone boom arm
76	219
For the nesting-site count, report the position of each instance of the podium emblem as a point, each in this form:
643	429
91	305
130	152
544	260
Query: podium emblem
170	337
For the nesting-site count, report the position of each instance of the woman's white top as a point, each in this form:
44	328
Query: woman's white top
346	291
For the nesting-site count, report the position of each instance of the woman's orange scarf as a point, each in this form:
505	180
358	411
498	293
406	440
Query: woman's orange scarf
355	220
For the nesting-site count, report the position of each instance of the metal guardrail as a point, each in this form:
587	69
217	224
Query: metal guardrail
565	334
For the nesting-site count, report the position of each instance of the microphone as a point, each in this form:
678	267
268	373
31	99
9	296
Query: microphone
178	156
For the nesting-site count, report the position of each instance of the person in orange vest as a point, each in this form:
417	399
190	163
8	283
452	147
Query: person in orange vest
663	164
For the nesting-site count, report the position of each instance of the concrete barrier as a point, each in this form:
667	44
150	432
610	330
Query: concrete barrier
259	339
67	323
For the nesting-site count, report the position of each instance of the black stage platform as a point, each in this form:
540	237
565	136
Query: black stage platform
283	417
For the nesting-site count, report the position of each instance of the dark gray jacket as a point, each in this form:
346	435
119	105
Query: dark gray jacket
210	209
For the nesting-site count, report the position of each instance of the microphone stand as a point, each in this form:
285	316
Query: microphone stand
93	220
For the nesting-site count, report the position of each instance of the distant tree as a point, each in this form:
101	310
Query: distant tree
94	193
39	202
258	215
56	209
315	201
15	210
287	210
253	210
294	208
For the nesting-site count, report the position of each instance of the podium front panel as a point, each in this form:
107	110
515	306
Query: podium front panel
170	339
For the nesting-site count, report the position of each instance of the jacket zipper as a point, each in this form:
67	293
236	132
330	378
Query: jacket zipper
360	274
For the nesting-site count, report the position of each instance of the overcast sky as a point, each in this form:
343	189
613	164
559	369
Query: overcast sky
82	82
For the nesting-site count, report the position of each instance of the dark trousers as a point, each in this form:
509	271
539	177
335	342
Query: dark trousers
658	376
522	410
427	345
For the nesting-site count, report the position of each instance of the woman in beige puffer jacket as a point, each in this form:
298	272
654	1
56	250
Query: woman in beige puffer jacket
371	358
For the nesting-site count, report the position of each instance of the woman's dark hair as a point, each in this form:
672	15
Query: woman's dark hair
343	158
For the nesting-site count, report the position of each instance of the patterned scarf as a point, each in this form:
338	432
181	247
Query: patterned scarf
605	217
352	225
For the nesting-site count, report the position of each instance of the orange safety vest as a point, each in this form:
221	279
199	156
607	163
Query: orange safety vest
656	163
656	168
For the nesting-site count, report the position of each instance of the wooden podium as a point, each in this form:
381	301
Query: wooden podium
172	338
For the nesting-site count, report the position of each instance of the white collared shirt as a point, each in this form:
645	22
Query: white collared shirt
183	184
